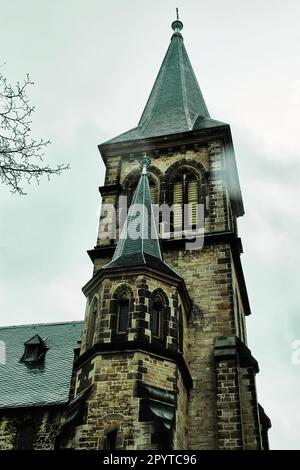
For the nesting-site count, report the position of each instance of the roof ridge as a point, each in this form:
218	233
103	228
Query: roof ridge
183	89
40	324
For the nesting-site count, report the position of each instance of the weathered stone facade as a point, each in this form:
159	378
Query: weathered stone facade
188	381
220	409
46	422
214	280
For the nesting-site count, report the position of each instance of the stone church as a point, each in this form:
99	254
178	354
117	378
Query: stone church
161	359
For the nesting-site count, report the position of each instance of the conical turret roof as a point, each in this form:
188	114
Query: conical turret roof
139	242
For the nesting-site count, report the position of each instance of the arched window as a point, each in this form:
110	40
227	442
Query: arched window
121	308
110	440
180	330
185	191
153	191
123	315
130	189
158	305
92	323
25	436
156	319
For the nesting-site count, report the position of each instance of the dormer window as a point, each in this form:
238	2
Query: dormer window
34	352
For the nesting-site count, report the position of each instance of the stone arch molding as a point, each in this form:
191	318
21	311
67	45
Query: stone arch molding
160	294
121	290
189	163
95	298
154	174
108	417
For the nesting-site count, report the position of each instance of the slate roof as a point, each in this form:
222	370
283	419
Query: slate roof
176	103
22	386
139	242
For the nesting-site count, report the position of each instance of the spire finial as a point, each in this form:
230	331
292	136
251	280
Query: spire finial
145	162
177	25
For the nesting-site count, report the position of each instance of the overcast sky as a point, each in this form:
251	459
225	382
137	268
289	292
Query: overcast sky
94	63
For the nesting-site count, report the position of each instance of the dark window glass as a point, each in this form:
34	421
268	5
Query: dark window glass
31	353
25	436
110	440
92	323
180	330
123	315
155	320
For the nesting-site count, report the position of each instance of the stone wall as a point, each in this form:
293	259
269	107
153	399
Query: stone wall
116	377
46	422
114	402
212	283
207	161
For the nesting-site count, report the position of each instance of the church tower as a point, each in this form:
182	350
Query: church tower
164	361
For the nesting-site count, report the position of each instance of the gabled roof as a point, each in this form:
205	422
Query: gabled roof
22	386
176	103
139	242
35	340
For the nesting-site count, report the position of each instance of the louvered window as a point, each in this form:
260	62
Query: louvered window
153	192
177	202
185	191
132	188
192	201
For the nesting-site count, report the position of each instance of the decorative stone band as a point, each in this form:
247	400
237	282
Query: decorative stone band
150	391
134	346
110	189
264	419
232	346
209	239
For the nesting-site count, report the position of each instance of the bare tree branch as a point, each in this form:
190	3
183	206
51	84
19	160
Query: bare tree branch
18	150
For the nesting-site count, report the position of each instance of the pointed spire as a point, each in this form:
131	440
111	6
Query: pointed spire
176	103
139	242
